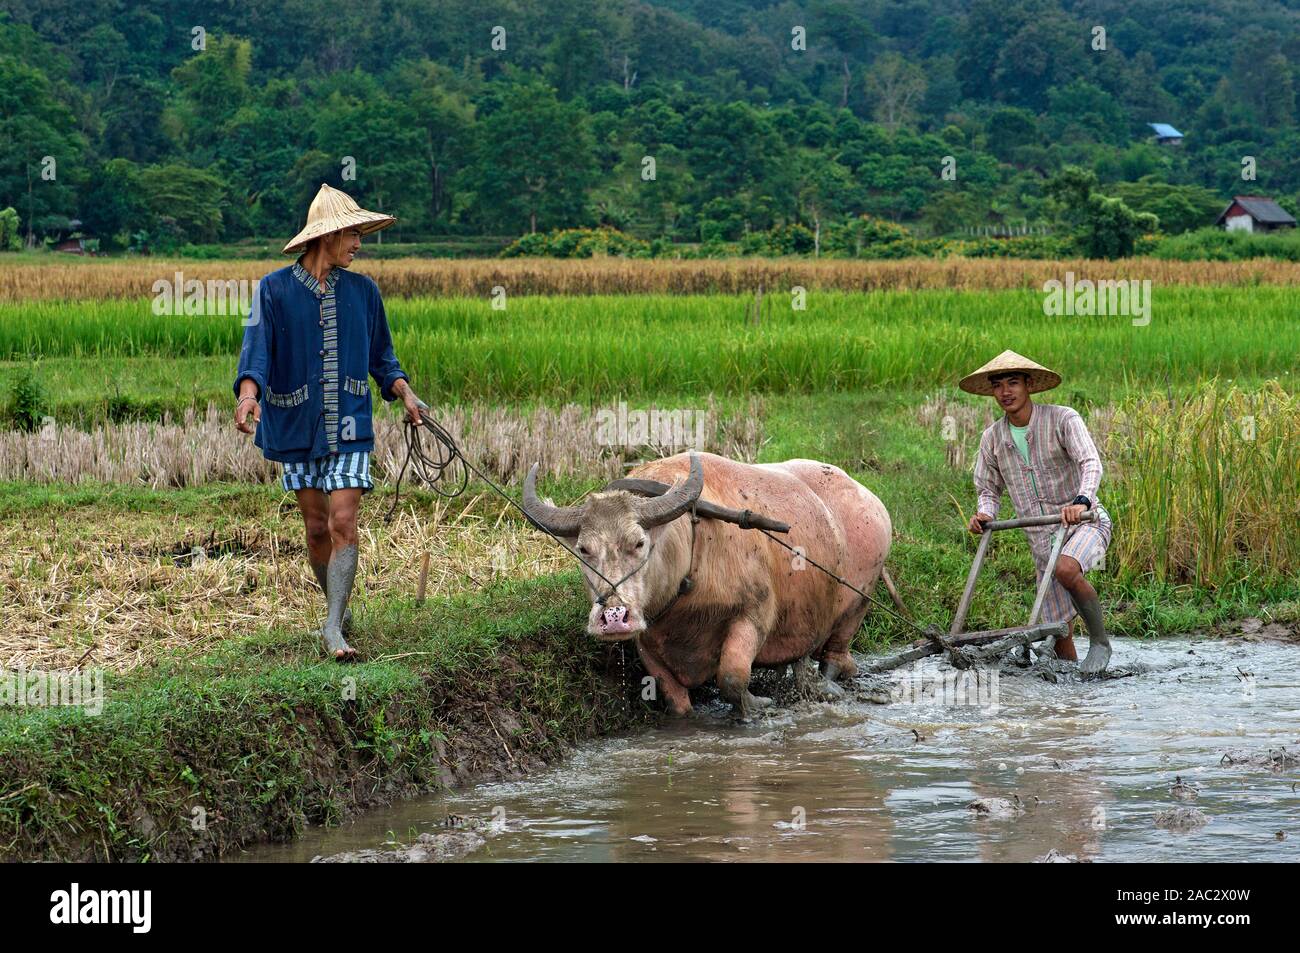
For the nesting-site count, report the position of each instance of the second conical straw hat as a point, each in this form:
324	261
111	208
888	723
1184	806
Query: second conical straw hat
1009	362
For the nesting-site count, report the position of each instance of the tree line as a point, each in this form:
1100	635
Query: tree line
686	121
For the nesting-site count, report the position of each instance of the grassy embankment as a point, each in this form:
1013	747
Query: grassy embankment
195	758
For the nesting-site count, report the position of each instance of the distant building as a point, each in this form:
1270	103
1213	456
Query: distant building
1166	135
1254	213
76	242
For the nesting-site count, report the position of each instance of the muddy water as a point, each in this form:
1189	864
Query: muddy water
1092	764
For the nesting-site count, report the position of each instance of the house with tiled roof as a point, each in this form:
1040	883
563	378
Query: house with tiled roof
1254	213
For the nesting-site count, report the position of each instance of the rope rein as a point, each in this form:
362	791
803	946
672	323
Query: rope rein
432	469
844	582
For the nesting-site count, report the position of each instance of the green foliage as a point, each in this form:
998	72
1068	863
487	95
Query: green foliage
42	143
117	202
1022	246
554	134
534	161
1103	227
1216	244
1180	208
10	240
780	240
577	243
1111	229
27	401
866	237
186	202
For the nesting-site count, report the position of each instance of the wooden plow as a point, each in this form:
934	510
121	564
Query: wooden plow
990	643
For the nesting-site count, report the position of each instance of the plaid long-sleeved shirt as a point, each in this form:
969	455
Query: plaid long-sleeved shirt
1063	464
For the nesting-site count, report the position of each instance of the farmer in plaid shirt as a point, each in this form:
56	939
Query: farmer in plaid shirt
1043	456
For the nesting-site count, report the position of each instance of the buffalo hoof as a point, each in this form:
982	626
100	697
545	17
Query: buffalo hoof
808	684
750	705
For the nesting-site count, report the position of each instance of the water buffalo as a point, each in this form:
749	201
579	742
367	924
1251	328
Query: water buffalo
749	601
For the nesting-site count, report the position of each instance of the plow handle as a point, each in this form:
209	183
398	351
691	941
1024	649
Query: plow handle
1021	522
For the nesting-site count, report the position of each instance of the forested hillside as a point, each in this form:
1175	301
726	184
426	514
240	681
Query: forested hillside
187	122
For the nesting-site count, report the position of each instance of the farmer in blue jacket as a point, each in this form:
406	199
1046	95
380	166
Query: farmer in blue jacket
314	334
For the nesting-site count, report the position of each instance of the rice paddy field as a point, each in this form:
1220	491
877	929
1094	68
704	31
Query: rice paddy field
140	533
29	277
111	355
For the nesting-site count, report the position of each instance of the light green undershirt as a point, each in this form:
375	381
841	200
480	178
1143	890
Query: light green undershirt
1018	438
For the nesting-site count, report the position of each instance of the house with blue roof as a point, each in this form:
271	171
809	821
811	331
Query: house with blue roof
1166	135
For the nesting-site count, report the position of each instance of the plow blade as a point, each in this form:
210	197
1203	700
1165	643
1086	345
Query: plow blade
993	641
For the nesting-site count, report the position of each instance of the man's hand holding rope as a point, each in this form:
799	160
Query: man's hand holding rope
412	403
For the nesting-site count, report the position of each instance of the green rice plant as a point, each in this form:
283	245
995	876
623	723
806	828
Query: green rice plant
27	401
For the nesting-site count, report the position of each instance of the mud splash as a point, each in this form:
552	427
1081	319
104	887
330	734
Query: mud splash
1024	765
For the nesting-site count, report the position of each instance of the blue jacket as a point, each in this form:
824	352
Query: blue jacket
310	348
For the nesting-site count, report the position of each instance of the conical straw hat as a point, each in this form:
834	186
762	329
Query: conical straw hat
1009	362
331	211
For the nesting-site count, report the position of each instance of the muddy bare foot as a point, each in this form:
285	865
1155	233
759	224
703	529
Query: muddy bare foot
337	646
347	624
809	684
1097	659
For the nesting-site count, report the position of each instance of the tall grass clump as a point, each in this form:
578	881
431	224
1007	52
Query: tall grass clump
27	403
1207	485
1217	245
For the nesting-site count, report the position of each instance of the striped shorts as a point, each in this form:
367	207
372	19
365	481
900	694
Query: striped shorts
335	471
